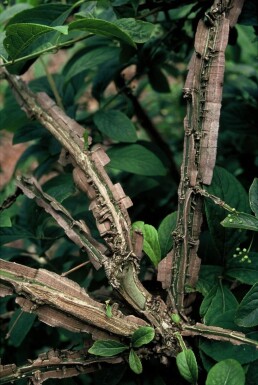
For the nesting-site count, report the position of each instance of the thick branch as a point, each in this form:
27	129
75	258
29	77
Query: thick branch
203	93
59	301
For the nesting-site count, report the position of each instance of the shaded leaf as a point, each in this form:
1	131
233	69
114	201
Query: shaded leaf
107	348
137	159
142	336
218	300
10	234
60	187
135	362
116	125
227	372
244	271
253	196
187	365
208	278
219	350
12	11
47	14
247	312
225	186
89	58
5	220
19	327
166	227
158	80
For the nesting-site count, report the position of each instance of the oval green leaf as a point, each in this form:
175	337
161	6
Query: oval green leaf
135	362
187	365
142	336
241	221
227	372
247	312
107	348
116	125
23	39
102	28
136	159
151	245
166	227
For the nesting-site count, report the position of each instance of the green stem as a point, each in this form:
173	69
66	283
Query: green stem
52	84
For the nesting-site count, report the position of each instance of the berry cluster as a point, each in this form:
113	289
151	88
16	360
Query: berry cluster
242	255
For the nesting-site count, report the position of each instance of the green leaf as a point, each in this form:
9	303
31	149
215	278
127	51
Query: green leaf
151	244
166	227
5	220
136	159
227	372
135	362
107	348
208	278
247	312
10	234
142	336
60	187
102	28
253	196
225	186
219	350
11	11
241	220
187	365
139	31
128	30
116	125
47	14
218	300
89	58
19	327
252	373
23	39
244	271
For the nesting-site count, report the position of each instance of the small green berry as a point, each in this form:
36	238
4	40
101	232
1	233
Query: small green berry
230	220
238	249
244	250
245	257
234	255
249	261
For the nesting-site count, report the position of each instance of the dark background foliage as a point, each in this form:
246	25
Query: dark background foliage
98	79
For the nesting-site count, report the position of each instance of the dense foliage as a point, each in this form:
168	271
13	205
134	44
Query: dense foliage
120	71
